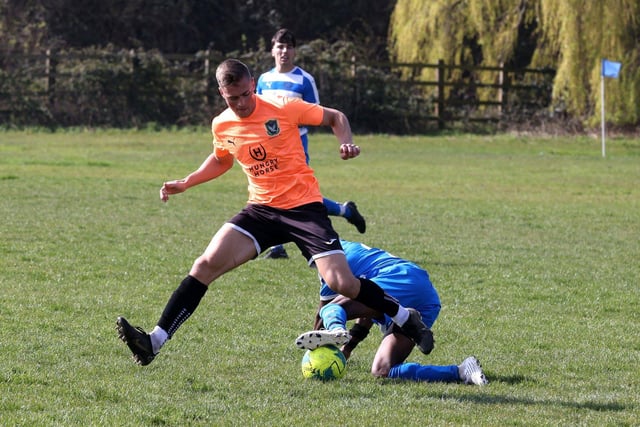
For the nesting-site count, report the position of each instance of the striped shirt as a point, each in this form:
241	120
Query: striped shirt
296	83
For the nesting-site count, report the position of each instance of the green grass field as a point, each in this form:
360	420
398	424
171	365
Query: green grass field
533	244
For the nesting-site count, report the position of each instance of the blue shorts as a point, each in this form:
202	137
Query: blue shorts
407	283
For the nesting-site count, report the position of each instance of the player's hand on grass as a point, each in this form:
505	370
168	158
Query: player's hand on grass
172	187
346	350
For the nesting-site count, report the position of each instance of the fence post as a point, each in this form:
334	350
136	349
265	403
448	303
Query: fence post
440	104
207	83
354	93
50	72
132	95
503	92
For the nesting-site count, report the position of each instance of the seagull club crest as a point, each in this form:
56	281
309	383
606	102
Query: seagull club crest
272	127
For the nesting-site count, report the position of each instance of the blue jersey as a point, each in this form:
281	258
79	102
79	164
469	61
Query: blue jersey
404	280
297	83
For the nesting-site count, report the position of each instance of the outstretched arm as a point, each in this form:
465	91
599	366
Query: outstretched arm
342	130
211	168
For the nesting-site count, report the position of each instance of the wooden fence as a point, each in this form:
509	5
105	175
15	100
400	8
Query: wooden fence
438	93
501	87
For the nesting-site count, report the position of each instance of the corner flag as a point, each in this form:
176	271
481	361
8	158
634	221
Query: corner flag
610	68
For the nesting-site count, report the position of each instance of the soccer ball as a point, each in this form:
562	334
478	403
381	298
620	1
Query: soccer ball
324	363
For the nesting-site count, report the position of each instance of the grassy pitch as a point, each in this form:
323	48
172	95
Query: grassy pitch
532	243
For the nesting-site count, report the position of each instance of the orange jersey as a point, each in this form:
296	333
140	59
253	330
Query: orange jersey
267	146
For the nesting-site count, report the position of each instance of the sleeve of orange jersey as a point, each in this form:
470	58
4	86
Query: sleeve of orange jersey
217	151
304	113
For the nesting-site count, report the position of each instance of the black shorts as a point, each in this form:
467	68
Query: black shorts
308	226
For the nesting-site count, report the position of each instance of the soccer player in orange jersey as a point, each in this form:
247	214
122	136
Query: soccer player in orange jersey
285	205
287	79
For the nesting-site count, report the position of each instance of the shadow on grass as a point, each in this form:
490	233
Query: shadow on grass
511	379
517	379
501	400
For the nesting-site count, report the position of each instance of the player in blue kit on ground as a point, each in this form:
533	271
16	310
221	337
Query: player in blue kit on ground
411	286
287	79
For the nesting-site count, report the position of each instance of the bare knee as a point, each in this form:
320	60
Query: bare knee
207	268
393	350
202	270
380	370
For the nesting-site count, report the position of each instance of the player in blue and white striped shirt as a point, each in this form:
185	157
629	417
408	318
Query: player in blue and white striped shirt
287	79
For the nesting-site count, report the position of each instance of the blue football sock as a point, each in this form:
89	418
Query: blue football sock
333	316
428	373
333	208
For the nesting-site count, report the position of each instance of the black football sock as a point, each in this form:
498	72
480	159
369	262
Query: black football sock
374	297
182	304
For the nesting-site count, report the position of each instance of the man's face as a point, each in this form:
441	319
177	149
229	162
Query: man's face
284	55
240	97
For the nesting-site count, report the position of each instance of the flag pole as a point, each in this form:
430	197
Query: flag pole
608	69
602	126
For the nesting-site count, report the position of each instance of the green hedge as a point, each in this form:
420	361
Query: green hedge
118	88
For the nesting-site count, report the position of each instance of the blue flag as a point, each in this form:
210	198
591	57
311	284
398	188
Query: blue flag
610	68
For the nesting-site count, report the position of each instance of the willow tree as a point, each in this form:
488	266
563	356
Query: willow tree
569	35
427	31
460	33
576	35
22	27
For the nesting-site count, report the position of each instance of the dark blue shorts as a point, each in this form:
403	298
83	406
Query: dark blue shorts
308	226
